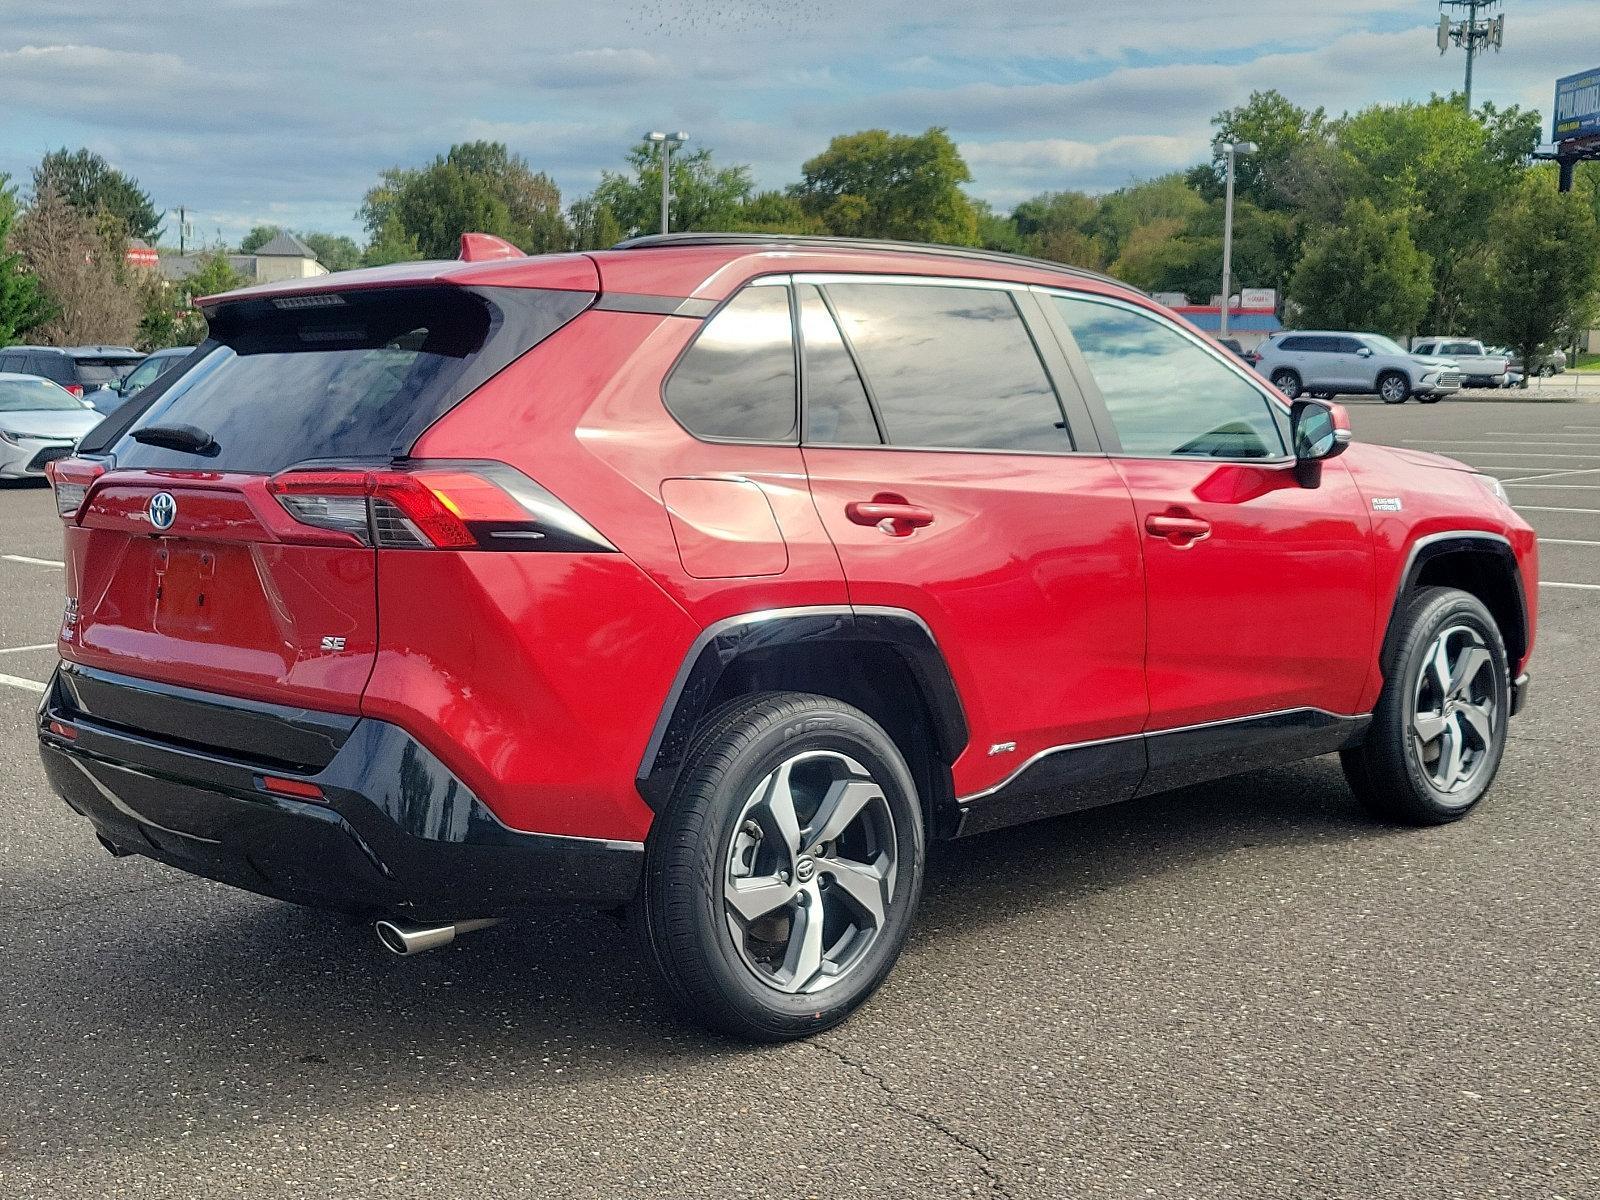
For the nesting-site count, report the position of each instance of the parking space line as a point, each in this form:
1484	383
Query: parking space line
27	685
1549	475
1586	587
21	649
1552	508
1547	487
1524	453
38	562
1499	442
1566	542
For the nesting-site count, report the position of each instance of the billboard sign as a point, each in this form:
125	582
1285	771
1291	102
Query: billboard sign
1262	298
1577	106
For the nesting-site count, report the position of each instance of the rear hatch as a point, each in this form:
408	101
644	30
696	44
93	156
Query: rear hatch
191	560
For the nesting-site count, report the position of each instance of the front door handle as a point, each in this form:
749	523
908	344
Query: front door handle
1182	529
890	513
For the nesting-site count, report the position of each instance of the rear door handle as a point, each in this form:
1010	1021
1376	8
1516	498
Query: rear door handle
1181	529
890	513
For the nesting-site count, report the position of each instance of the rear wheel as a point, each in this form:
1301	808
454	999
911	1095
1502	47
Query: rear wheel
1323	395
782	876
1393	387
1439	730
1546	371
1287	382
1432	398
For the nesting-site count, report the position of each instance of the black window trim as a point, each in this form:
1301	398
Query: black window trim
1278	405
855	362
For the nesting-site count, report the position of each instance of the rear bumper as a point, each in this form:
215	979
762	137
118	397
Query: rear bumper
394	831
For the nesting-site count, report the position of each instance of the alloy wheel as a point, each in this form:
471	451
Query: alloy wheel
1454	710
810	872
1393	389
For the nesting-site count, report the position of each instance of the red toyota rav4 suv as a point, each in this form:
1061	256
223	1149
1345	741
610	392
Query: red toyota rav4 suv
708	578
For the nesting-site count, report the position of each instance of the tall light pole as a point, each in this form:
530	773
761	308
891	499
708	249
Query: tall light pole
668	142
1232	150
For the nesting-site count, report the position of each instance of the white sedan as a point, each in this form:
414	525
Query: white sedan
40	421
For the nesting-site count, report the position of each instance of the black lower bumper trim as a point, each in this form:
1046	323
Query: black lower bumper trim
396	832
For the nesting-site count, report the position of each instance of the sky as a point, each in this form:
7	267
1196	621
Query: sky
284	111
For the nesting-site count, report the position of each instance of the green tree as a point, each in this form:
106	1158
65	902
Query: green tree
1366	273
78	258
391	244
1165	198
258	237
334	251
1546	271
476	186
1060	226
878	184
23	304
1279	129
774	212
593	225
1452	170
92	185
704	195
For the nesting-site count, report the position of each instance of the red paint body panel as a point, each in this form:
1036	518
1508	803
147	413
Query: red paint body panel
1028	576
724	528
219	602
1224	636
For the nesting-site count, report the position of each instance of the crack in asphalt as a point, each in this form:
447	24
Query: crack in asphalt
986	1160
82	900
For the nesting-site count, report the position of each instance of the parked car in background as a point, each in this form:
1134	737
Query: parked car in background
1328	364
108	399
1545	363
1234	346
39	423
711	577
1480	367
79	369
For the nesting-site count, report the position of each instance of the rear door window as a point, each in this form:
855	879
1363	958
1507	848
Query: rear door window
950	367
837	408
737	380
97	372
1166	394
1293	345
336	375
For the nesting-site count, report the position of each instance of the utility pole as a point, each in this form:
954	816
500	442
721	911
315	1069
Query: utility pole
1471	32
183	226
1232	150
668	142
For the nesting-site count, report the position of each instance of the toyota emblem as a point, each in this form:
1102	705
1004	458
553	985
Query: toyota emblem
163	510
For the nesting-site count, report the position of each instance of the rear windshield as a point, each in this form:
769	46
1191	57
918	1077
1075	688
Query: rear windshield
97	372
35	395
336	375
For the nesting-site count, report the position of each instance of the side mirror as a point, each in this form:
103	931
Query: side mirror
1318	431
1364	352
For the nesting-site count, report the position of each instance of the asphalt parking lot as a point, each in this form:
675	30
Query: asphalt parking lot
1241	990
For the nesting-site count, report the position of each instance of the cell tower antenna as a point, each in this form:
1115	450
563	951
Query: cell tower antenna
1471	31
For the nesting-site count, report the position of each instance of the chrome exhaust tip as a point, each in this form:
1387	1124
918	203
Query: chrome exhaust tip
406	940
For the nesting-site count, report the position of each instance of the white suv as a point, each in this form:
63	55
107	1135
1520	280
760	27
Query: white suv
1333	363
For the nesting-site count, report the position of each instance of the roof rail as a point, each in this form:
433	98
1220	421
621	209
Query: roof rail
819	242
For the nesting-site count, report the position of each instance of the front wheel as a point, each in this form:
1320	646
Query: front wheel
1546	371
1393	388
782	876
1439	730
1431	398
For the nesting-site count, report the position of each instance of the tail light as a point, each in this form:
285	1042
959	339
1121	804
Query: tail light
76	389
71	478
437	505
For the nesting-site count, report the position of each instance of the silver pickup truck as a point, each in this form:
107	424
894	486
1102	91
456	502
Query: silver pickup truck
1479	367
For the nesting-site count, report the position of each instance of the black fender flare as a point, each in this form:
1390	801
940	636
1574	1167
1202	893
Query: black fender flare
722	643
1456	541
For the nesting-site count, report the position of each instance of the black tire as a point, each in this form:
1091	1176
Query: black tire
1394	387
1323	395
1546	371
681	913
1433	398
1287	382
1390	771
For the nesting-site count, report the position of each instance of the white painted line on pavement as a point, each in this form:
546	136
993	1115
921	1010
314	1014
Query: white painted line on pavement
1587	587
1523	453
1551	508
1566	542
1549	475
20	649
1546	487
38	562
27	685
1428	442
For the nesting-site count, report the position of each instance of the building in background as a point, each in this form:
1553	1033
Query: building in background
284	257
1252	315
